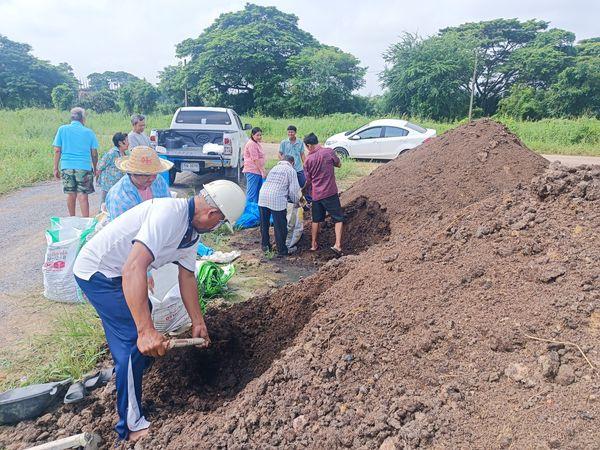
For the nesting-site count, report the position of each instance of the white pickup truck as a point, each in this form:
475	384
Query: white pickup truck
204	140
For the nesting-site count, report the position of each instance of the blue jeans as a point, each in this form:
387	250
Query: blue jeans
253	184
107	297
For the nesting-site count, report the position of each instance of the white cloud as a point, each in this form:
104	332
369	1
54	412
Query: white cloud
140	36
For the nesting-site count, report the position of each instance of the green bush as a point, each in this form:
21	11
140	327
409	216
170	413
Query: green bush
523	103
63	97
101	101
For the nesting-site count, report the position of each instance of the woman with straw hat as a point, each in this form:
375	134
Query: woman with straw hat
141	183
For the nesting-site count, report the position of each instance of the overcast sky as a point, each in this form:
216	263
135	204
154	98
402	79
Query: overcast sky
140	36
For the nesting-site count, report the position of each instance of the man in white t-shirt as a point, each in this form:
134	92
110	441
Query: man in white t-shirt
112	268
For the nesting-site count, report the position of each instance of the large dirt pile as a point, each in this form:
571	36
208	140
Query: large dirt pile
445	174
466	327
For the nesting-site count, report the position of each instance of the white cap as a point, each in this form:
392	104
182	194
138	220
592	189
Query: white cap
228	197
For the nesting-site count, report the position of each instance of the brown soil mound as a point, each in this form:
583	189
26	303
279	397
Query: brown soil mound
445	174
465	330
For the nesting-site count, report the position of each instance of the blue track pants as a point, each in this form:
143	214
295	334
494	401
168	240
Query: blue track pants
106	295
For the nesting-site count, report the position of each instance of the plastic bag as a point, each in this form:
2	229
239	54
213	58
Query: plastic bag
168	310
250	218
212	280
204	250
64	238
295	220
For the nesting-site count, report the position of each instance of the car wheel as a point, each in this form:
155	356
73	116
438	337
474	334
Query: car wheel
341	152
172	175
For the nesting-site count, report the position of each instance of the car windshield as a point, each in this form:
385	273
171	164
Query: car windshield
204	117
416	127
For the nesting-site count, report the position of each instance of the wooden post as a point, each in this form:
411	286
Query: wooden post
89	441
473	86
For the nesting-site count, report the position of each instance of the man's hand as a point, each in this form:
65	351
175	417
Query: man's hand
152	343
200	331
57	174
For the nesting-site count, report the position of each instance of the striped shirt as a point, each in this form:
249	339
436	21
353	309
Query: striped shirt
124	195
280	187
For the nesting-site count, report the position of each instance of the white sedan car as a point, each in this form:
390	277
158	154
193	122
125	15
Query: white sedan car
380	139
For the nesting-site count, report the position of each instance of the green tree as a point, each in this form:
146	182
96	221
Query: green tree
63	97
101	101
138	96
428	77
431	77
323	79
577	90
495	42
172	87
539	63
26	80
110	80
524	103
241	59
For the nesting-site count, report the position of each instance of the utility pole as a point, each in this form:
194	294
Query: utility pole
185	95
473	86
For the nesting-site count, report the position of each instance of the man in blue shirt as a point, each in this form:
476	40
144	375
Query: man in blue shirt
76	151
292	146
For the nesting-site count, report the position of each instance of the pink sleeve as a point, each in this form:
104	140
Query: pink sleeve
334	157
253	150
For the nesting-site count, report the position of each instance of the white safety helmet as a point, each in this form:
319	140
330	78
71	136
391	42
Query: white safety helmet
228	197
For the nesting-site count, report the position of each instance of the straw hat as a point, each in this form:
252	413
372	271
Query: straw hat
143	161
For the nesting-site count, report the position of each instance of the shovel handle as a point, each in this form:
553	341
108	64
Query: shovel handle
175	343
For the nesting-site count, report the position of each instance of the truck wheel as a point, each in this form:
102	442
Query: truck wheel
235	174
172	175
241	179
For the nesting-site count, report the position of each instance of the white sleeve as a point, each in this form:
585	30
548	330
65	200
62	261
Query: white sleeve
187	260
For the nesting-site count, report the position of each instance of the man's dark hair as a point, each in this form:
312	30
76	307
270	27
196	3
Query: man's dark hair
289	158
292	128
311	139
253	131
119	137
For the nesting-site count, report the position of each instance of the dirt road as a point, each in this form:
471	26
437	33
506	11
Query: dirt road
24	215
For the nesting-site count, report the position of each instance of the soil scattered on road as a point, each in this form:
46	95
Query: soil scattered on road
465	326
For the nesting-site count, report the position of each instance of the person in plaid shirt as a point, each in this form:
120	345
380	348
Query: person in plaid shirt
280	187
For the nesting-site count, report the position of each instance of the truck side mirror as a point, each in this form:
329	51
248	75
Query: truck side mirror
247	126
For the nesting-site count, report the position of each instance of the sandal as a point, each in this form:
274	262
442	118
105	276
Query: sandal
75	394
336	251
98	379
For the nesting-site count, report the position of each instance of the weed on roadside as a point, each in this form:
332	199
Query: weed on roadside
72	347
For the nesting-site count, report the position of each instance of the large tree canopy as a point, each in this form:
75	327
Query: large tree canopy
26	80
110	80
522	59
428	77
248	60
322	81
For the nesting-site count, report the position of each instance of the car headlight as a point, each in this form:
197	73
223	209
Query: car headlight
329	142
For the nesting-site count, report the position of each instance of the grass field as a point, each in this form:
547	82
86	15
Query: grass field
26	136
